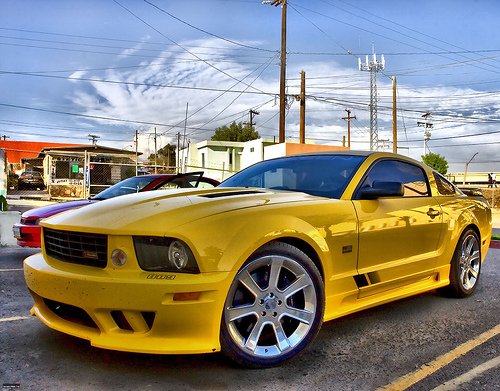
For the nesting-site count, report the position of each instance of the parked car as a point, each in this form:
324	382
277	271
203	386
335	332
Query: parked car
27	232
30	180
254	266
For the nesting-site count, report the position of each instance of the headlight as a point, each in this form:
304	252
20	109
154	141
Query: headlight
177	254
164	255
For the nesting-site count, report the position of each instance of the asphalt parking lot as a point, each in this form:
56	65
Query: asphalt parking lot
425	342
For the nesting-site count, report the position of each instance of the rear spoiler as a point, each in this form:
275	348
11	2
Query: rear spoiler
472	191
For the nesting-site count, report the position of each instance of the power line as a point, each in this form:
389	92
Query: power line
180	46
204	31
259	92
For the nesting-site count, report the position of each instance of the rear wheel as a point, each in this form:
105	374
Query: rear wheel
465	266
274	307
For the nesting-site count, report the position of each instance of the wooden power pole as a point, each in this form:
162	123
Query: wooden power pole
348	118
394	118
302	107
277	3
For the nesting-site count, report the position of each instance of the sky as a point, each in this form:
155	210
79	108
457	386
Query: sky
182	69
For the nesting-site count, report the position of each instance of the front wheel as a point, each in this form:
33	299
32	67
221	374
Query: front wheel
465	266
274	307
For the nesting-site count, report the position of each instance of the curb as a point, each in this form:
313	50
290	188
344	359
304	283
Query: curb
495	244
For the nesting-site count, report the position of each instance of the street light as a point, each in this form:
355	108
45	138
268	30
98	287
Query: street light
467	165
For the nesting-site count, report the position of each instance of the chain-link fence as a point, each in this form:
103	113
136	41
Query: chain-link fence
102	175
78	175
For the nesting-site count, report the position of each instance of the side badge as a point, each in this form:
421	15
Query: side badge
346	249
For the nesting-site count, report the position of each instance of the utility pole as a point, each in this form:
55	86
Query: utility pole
136	149
155	154
282	66
178	157
94	138
426	125
373	66
348	118
252	113
302	107
5	137
394	118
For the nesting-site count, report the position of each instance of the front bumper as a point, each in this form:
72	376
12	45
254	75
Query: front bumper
129	310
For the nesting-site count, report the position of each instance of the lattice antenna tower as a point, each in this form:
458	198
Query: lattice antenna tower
373	66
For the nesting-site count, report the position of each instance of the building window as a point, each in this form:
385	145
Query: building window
69	170
252	149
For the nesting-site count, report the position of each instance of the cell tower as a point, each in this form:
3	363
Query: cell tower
373	66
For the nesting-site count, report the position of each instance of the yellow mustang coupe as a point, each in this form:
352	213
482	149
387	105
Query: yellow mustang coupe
253	267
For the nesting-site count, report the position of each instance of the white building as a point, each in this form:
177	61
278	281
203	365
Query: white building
221	159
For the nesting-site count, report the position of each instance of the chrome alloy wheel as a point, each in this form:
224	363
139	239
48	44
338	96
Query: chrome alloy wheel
470	262
271	306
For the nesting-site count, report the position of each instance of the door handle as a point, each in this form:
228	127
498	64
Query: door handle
433	213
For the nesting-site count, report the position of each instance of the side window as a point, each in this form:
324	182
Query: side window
173	184
412	177
203	184
443	185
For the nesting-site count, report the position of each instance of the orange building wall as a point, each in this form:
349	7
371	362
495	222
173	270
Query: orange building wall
16	150
293	149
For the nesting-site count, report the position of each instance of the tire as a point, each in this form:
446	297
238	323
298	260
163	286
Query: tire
274	307
465	266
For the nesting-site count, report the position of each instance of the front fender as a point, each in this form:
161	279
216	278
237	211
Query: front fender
225	241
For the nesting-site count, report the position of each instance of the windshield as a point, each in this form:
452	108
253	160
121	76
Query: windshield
127	186
320	175
31	173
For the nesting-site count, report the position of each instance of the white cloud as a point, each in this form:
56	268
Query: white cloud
77	75
158	91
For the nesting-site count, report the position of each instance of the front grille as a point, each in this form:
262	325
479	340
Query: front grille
77	247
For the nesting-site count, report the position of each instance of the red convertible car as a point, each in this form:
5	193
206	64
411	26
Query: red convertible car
27	232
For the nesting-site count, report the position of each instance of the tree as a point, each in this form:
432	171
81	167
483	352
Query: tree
235	132
437	162
164	156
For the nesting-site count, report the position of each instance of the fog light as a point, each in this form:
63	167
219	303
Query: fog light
118	257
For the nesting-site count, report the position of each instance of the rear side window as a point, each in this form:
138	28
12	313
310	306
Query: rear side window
412	177
444	186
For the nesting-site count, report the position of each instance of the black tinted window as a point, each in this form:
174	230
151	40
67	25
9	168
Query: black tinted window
127	186
320	175
412	177
444	186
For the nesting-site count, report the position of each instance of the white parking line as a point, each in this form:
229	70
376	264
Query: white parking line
10	270
467	377
428	369
14	318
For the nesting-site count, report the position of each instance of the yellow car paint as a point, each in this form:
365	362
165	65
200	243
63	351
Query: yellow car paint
369	252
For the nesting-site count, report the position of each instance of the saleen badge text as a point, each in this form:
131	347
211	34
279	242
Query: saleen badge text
161	276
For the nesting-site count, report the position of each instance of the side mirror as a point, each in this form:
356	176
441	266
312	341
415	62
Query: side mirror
382	189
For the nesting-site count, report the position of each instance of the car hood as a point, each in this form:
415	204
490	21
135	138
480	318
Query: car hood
50	210
153	213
